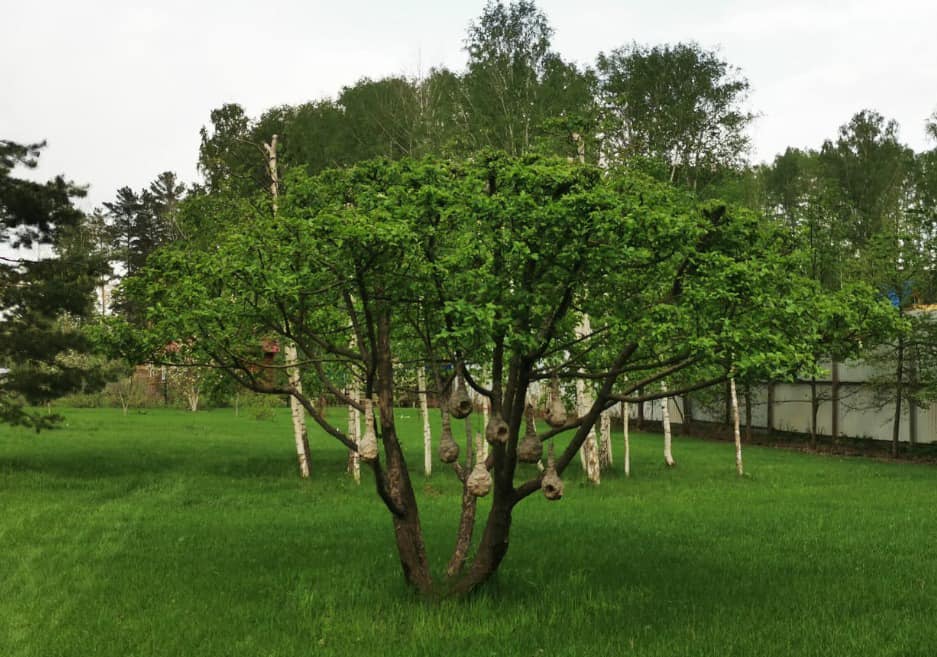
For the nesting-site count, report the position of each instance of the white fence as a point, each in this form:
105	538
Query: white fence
861	414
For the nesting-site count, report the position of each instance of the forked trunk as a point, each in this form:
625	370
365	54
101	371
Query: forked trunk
491	549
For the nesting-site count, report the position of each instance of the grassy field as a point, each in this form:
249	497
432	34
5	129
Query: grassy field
171	533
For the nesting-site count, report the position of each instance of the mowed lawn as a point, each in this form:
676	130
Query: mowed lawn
173	533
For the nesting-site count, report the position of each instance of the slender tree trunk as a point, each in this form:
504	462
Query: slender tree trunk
624	425
814	409
665	420
427	433
192	396
354	433
464	535
834	402
589	454
912	407
297	412
605	446
899	395
407	530
735	427
237	401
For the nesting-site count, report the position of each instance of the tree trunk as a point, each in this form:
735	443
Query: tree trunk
605	445
354	433
427	433
589	454
665	420
491	549
912	407
899	395
814	409
398	488
192	396
624	425
297	411
735	427
834	402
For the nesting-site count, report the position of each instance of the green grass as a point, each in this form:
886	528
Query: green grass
170	533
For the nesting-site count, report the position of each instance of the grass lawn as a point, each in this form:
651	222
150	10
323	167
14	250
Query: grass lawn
172	533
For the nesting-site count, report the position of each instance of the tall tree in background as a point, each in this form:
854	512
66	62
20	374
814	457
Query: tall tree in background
42	301
678	105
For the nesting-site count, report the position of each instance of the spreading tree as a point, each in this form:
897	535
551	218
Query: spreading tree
484	266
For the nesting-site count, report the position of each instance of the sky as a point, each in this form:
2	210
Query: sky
120	88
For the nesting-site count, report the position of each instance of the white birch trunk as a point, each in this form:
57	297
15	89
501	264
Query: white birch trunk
665	417
192	395
605	444
589	454
485	417
354	433
427	433
624	425
735	427
297	411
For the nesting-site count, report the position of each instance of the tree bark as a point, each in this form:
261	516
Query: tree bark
589	454
814	409
354	433
665	420
297	412
605	445
399	489
427	433
899	395
735	427
624	425
834	402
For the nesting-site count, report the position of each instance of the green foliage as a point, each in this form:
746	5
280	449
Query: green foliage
43	302
679	104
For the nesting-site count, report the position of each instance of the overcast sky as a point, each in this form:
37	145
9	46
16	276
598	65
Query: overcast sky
120	88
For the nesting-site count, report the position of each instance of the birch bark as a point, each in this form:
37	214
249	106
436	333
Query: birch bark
427	433
735	427
665	420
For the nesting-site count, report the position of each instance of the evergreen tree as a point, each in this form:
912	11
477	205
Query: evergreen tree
43	302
